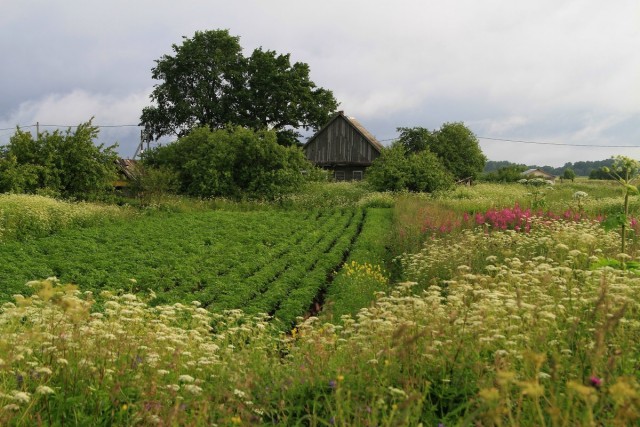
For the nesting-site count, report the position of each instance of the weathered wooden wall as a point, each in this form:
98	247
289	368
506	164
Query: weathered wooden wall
339	144
348	173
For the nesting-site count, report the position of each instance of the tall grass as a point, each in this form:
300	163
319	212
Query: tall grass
28	216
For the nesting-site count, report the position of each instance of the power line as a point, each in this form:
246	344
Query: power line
66	126
557	143
98	126
21	127
520	141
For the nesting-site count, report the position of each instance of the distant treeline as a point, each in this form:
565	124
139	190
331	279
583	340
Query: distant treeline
580	168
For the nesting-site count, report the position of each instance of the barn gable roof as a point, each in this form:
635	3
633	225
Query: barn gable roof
128	168
539	173
368	136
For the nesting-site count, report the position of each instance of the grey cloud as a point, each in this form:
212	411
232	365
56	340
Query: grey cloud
539	70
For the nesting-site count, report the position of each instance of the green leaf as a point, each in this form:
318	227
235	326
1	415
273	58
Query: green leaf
614	221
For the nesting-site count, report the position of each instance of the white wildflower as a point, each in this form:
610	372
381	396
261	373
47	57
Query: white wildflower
185	379
43	389
21	396
11	407
396	392
44	370
192	388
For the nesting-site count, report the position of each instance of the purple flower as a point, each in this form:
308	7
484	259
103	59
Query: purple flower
595	381
332	383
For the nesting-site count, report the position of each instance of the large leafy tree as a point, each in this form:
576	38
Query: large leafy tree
208	82
454	144
66	163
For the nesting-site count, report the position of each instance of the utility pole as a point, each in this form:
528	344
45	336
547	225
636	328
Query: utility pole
144	138
37	131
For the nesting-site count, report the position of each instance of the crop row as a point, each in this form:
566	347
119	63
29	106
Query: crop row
250	260
365	271
299	285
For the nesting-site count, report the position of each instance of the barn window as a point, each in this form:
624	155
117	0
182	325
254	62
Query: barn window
339	175
357	175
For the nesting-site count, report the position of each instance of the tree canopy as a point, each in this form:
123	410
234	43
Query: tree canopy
208	82
66	164
398	169
232	162
569	174
454	144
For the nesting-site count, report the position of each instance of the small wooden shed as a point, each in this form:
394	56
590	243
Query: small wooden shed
538	173
343	146
128	171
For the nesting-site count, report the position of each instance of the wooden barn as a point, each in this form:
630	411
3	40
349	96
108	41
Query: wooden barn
343	146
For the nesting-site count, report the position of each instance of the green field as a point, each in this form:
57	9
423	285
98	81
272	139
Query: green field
268	261
328	308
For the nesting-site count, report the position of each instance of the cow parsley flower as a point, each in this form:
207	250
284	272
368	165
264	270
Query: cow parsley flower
185	379
44	390
21	396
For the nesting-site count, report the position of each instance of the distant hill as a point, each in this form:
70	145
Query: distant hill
582	168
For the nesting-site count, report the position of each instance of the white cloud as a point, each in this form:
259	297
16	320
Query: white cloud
78	106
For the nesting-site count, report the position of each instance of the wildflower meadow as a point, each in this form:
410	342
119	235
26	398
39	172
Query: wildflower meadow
485	306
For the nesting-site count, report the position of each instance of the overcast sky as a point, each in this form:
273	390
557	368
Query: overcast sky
553	71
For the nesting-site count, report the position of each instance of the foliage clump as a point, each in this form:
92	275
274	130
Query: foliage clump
399	169
454	144
512	173
66	164
233	162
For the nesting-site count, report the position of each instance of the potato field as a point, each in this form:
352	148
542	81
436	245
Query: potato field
272	262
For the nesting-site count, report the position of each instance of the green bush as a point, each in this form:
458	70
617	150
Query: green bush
65	164
398	169
233	162
506	174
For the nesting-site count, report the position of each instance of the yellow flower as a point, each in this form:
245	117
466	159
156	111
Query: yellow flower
489	394
623	390
532	389
587	394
